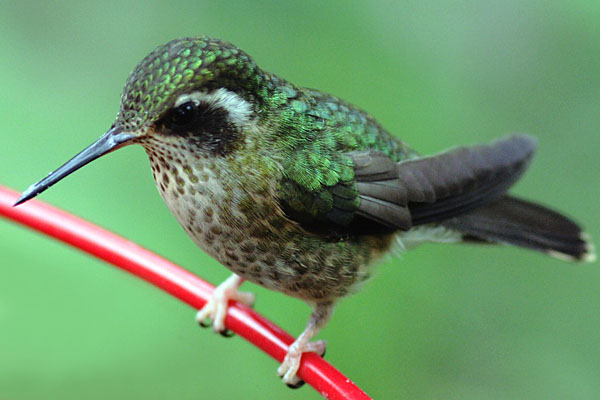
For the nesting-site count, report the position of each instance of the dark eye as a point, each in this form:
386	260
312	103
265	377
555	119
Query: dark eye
184	115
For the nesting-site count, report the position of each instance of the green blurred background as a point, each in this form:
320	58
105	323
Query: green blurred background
444	322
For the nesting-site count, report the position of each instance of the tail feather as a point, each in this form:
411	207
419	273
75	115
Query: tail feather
521	223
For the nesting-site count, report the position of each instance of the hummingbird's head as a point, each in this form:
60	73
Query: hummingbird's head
200	90
181	79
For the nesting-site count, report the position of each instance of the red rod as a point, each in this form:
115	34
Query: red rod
178	282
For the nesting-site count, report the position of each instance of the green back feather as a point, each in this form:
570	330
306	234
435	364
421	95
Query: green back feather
315	132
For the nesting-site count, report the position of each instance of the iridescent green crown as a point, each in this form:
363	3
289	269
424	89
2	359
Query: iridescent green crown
182	66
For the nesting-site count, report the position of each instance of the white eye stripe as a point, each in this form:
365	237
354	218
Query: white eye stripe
184	98
238	109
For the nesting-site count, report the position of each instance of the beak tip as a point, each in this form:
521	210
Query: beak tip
20	201
25	196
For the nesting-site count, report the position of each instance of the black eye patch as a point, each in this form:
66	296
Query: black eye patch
203	125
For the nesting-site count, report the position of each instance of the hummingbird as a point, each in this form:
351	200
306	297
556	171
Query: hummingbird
301	192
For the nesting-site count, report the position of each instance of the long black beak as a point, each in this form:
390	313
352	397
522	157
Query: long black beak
111	140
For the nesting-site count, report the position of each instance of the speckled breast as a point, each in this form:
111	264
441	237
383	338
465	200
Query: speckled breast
248	233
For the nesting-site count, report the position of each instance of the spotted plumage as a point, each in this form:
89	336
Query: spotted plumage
299	191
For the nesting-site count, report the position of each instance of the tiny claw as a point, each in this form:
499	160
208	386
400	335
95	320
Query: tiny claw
227	333
296	385
205	323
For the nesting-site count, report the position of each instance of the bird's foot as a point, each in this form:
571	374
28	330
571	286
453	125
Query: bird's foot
215	310
288	368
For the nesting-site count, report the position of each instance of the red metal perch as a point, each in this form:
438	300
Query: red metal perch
178	282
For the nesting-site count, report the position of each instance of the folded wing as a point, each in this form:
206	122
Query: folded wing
434	188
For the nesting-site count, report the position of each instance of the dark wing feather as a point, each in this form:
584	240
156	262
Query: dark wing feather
413	192
525	224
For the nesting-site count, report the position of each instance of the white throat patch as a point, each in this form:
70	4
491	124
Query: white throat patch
238	109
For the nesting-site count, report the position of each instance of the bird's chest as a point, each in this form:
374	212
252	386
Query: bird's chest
224	218
238	221
199	200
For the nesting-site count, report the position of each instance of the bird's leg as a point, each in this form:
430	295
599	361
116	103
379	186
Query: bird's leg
215	309
288	368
